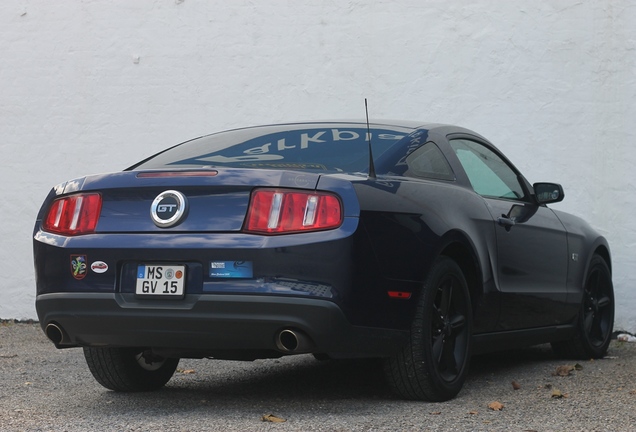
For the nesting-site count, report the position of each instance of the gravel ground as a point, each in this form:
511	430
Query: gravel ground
45	389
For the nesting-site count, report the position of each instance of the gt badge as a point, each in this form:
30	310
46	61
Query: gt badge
168	208
78	266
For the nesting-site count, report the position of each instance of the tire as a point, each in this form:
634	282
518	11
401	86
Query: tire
129	370
434	363
596	318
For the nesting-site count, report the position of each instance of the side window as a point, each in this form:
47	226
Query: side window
489	175
428	162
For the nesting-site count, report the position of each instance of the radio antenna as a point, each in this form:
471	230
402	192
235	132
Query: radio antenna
371	165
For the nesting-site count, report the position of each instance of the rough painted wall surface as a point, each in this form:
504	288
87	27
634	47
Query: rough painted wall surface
94	86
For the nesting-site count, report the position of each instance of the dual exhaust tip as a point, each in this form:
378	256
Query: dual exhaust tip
287	340
293	341
57	335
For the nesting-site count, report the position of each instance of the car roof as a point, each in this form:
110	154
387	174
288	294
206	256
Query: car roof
404	124
441	128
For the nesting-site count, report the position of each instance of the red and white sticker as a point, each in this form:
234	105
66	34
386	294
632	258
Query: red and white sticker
99	267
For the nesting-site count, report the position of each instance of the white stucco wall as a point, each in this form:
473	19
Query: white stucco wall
92	86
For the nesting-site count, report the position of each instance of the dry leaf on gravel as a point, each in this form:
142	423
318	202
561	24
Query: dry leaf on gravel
496	406
436	413
556	394
473	412
516	385
186	371
563	370
272	419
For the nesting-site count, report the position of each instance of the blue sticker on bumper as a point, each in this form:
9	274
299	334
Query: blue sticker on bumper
231	269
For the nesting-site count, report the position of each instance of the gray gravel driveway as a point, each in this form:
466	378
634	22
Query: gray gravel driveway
44	389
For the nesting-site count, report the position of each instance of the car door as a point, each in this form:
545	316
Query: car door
531	257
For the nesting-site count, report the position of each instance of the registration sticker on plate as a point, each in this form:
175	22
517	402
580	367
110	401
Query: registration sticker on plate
160	280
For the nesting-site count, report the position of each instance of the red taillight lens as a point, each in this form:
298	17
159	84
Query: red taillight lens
73	215
282	211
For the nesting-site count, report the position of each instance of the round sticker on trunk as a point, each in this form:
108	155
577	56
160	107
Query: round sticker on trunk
99	267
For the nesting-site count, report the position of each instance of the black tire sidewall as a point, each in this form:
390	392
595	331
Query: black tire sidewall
596	263
421	332
118	369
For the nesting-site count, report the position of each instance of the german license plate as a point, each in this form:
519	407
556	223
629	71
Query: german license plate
160	280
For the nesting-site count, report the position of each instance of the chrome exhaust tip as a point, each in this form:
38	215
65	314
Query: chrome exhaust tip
293	341
56	335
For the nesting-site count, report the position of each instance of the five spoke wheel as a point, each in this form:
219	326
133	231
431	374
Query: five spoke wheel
596	318
434	364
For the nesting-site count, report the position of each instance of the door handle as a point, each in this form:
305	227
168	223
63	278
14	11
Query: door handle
506	222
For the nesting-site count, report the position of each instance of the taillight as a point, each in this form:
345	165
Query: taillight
282	211
73	215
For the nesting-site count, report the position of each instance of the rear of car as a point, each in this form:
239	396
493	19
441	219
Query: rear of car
221	279
230	246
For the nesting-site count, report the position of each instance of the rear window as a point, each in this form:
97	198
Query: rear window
333	148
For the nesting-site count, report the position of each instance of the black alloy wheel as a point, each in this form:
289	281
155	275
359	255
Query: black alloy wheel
434	364
596	319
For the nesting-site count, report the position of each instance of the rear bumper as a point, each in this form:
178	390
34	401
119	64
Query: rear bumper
211	324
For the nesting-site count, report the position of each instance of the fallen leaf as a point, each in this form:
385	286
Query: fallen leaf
516	385
436	413
556	394
563	370
272	419
496	406
633	392
578	367
186	371
473	412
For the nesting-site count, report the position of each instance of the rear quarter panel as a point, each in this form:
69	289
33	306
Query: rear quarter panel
404	225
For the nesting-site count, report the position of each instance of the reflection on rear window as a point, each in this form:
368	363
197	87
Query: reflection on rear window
339	148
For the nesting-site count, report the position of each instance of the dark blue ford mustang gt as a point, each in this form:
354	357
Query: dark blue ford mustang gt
286	239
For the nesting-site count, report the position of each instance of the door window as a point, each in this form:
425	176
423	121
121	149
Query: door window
489	175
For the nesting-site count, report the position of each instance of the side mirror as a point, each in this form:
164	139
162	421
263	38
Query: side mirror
547	193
